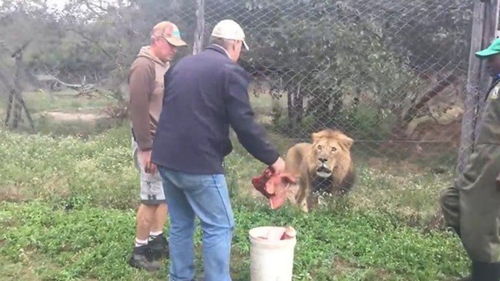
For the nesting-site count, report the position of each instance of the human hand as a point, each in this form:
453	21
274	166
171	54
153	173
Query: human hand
144	157
278	166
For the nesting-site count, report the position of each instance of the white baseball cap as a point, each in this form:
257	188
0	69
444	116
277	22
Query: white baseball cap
229	29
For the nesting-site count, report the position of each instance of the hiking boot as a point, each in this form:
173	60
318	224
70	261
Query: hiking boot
159	247
141	258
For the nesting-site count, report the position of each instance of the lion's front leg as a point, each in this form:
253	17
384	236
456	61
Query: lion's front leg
304	193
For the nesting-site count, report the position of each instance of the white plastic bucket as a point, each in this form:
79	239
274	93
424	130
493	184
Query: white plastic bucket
271	259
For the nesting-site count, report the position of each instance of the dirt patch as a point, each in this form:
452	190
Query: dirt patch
394	167
13	193
52	186
73	117
344	267
432	131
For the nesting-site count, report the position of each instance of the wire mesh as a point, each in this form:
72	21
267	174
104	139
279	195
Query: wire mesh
390	74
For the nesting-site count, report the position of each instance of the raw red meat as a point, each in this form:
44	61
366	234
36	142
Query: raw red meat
273	186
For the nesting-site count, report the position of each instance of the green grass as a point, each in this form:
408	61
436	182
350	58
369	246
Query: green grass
68	205
64	101
41	104
89	242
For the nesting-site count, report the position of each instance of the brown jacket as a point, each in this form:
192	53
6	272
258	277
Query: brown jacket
146	96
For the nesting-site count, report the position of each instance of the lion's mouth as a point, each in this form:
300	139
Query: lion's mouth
323	172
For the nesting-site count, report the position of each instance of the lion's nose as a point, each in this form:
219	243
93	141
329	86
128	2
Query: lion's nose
323	160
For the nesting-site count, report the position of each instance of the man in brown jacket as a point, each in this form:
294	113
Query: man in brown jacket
146	97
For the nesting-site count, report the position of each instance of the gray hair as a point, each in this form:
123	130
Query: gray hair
225	43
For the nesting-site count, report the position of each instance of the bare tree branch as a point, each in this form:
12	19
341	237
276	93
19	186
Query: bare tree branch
92	7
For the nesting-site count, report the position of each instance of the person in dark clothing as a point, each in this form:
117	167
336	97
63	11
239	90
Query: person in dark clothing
205	95
472	206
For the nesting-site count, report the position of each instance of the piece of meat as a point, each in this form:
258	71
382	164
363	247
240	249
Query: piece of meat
279	233
259	182
273	186
289	233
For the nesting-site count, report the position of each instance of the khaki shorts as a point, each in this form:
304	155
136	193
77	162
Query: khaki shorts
152	192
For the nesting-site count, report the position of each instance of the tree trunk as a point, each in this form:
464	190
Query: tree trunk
28	115
10	106
291	108
19	103
17	112
422	101
299	105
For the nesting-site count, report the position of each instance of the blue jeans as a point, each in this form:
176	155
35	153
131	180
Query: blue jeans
204	196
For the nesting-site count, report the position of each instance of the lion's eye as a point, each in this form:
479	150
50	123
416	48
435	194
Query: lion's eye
334	149
320	147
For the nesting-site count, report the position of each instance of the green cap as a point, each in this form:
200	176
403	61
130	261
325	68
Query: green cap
493	49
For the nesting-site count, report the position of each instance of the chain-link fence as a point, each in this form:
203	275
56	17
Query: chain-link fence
390	74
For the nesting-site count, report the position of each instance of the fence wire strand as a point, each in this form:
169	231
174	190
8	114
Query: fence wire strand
359	66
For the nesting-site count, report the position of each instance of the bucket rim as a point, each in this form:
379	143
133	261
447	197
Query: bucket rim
253	238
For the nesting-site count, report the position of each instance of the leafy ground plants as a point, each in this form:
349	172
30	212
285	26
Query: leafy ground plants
67	213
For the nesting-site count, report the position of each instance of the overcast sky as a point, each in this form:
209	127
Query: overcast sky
57	4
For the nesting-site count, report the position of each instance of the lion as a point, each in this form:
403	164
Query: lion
325	165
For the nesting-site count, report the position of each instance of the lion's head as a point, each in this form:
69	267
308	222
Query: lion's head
330	148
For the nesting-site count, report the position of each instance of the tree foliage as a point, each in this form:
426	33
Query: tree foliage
328	57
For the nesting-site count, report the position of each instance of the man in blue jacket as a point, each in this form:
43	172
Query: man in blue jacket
205	94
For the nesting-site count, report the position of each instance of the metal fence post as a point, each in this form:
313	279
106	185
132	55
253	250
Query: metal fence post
484	27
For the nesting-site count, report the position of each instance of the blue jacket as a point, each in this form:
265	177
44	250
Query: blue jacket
204	95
